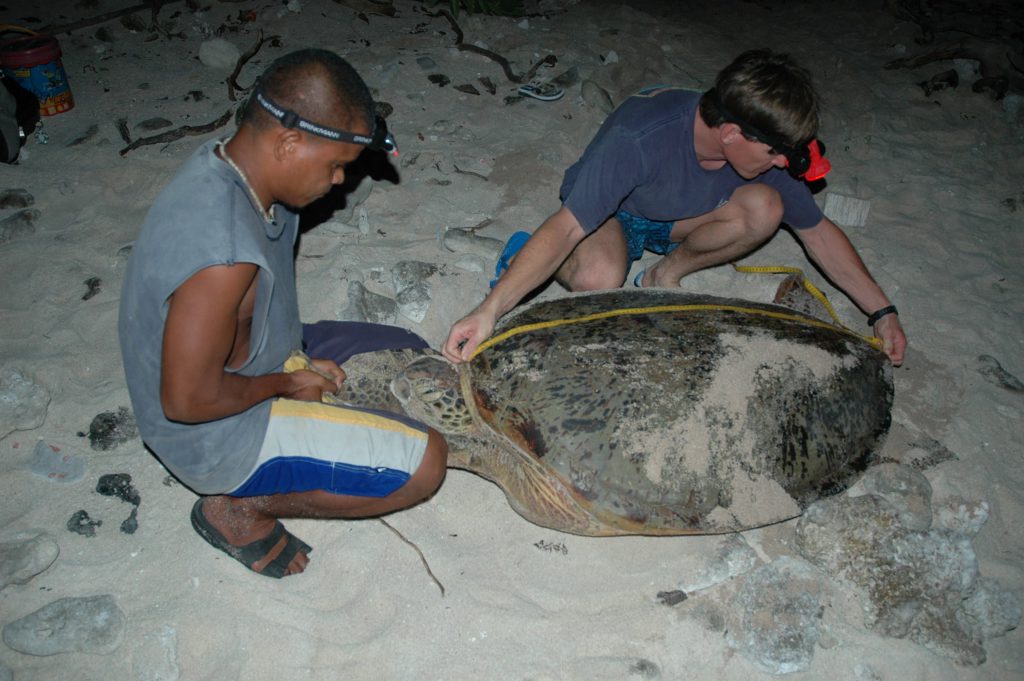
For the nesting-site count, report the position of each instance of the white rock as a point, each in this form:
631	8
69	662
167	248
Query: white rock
1013	105
967	69
23	404
596	96
25	555
960	516
414	302
219	54
734	557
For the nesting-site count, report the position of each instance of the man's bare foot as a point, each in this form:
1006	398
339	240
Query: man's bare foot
257	541
654	276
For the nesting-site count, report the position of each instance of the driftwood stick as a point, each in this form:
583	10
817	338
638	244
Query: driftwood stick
470	172
153	5
122	128
417	549
232	81
502	62
949	52
178	133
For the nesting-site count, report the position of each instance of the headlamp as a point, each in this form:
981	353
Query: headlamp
379	140
808	163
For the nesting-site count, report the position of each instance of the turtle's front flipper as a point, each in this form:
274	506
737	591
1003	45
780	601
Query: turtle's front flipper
793	294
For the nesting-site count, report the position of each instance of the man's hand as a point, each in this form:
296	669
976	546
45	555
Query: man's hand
539	258
831	249
330	370
466	334
894	341
310	386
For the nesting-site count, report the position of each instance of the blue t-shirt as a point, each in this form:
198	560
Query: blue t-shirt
642	161
206	217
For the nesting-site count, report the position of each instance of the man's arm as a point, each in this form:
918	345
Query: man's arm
831	250
542	255
200	338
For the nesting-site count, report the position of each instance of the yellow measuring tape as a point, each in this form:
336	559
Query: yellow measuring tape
5	28
804	281
811	288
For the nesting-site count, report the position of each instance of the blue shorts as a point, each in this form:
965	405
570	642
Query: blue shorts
643	234
342	450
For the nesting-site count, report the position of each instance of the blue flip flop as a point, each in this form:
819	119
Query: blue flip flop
638	280
512	247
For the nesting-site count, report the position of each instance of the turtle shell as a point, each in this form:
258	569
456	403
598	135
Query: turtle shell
663	412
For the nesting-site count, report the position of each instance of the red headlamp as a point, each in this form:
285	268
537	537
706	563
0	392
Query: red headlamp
808	163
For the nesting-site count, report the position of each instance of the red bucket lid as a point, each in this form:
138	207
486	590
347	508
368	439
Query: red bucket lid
29	50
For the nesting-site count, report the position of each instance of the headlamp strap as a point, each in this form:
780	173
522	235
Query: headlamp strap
381	139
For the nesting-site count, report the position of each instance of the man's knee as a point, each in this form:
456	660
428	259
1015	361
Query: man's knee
762	209
598	262
428	477
597	278
595	271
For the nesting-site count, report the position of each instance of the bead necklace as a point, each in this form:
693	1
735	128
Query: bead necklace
223	149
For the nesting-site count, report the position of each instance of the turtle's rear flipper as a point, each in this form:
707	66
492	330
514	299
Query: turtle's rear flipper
792	294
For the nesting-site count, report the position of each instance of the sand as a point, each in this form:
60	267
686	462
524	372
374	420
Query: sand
940	175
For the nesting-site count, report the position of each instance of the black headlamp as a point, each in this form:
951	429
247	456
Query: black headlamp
379	140
804	163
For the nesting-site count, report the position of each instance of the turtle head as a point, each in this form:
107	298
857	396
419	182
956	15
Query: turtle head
429	390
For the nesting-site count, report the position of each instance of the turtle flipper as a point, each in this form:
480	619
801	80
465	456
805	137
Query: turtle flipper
793	294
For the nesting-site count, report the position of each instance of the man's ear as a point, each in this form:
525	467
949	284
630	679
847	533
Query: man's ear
729	133
286	144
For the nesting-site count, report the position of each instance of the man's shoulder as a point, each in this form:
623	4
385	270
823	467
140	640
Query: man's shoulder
199	192
659	106
196	176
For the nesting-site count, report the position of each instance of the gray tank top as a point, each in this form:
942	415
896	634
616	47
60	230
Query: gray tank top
206	217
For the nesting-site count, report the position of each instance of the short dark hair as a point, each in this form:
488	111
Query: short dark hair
291	82
769	91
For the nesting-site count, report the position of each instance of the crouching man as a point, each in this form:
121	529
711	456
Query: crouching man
209	315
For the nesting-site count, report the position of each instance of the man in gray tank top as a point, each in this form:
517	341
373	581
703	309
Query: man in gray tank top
209	315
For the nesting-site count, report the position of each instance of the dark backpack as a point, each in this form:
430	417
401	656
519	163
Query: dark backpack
19	115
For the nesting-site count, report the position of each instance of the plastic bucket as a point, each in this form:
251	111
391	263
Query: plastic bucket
34	61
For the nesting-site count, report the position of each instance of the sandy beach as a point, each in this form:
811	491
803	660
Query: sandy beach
929	188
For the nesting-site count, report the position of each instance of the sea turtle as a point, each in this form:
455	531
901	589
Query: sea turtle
647	411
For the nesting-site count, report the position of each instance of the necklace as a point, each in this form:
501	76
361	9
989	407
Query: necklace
223	149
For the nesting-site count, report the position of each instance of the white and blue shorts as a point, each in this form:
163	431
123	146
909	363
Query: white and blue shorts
342	450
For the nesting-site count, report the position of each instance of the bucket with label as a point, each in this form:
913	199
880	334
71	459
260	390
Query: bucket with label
34	61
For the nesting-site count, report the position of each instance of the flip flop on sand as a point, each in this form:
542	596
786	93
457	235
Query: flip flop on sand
255	551
512	247
638	280
545	92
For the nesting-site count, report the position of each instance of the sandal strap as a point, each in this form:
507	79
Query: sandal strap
279	566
